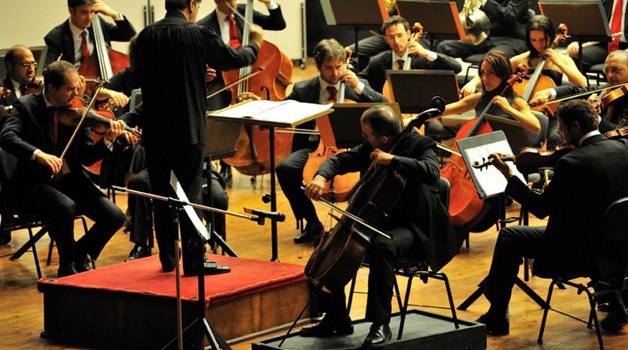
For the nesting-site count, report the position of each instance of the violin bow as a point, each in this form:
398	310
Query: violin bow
236	82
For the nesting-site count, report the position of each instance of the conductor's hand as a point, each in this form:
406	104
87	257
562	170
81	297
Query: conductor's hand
53	162
500	165
314	189
210	74
257	35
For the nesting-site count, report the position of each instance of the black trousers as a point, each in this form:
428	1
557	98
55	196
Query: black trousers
513	244
381	257
290	177
462	49
61	201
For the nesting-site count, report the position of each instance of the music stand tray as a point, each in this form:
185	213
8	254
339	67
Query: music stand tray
354	13
586	19
345	122
439	18
414	89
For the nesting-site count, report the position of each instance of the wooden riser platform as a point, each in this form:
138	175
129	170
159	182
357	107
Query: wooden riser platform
133	304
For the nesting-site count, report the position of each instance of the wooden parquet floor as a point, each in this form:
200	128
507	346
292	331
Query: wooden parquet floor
21	305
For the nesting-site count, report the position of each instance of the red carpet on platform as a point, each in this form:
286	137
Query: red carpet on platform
120	303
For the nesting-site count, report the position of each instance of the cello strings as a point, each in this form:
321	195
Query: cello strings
236	13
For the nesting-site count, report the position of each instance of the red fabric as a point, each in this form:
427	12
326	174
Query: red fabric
333	92
616	25
84	47
144	276
233	33
400	64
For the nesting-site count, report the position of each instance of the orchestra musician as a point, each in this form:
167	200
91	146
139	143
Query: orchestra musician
31	136
419	223
508	20
402	48
20	64
220	21
177	51
65	41
330	59
563	247
611	113
495	70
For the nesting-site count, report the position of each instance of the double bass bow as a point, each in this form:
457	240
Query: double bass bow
341	251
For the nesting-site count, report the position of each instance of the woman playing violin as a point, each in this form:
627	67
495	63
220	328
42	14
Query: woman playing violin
413	220
540	34
495	70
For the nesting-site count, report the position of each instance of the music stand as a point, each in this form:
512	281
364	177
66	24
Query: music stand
489	183
369	14
586	20
345	122
413	89
517	136
271	114
439	18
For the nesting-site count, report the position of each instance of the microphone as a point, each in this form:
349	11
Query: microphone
263	214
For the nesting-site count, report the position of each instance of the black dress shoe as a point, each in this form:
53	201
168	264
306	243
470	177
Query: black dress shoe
328	327
139	251
83	263
209	268
310	234
495	325
66	270
379	335
615	320
225	172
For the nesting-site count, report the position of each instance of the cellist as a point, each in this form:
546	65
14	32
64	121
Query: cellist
419	223
613	108
330	59
230	27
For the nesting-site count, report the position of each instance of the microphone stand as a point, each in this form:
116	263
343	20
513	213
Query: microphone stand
216	341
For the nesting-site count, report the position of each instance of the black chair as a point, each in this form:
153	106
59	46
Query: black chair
614	233
596	73
410	268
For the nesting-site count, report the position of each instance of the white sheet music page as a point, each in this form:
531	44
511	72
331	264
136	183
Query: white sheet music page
490	180
288	113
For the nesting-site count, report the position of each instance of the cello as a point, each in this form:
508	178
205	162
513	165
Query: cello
417	33
252	155
337	188
465	206
341	251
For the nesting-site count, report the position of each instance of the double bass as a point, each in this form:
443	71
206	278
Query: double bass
252	155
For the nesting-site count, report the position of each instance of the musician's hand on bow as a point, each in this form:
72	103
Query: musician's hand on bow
540	98
380	157
53	162
503	168
210	74
314	190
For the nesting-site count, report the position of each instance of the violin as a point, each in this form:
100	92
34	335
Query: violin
35	86
618	133
612	95
530	159
537	82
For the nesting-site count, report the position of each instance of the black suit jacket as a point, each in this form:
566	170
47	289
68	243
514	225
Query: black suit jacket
586	181
309	91
375	72
7	100
59	39
30	128
419	208
619	111
273	21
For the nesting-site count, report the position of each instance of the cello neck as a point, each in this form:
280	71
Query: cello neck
246	31
100	47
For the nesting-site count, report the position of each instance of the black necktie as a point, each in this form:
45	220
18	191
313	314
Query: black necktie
22	89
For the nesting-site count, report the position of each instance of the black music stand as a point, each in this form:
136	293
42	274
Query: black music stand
345	122
489	183
585	19
221	142
367	14
439	18
517	136
413	89
271	114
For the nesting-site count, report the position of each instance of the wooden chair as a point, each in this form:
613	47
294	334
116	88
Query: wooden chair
614	231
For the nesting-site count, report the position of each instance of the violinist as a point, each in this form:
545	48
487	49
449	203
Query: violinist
176	50
230	27
35	137
418	214
330	59
563	247
67	41
20	64
613	108
495	70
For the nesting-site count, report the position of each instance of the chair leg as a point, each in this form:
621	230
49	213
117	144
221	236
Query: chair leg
404	308
593	315
52	244
546	309
452	307
34	248
351	290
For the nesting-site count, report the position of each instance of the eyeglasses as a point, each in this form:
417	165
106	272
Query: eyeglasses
28	64
614	70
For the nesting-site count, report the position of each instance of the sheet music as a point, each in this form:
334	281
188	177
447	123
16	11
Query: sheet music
189	211
287	113
492	182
